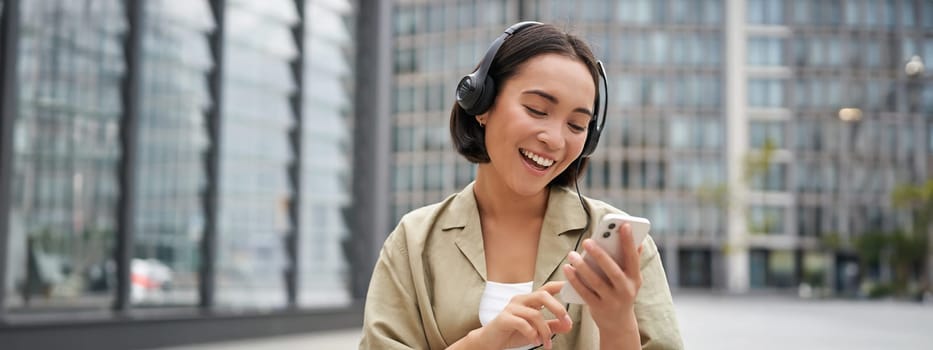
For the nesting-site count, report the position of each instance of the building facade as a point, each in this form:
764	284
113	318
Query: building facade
182	160
724	125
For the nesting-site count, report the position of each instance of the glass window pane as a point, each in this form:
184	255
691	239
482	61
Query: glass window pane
908	14
596	10
494	12
327	151
435	17
930	137
767	93
712	134
755	11
171	176
927	14
680	133
66	155
404	20
782	268
758	268
766	219
255	154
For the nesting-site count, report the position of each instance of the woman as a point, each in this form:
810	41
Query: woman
483	268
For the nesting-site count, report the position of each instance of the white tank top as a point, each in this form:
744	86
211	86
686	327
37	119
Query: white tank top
496	296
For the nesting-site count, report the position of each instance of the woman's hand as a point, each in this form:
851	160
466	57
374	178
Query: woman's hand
611	298
522	322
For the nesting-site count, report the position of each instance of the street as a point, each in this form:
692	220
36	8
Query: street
724	322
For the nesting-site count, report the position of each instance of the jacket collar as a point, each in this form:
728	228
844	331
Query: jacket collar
563	215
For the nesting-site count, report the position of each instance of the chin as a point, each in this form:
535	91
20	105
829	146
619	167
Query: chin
526	188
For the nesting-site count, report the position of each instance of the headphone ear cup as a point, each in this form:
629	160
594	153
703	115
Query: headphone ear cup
475	97
467	94
485	98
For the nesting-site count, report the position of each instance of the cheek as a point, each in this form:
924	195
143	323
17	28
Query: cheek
576	144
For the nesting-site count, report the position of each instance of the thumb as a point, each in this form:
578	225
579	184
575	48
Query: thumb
553	287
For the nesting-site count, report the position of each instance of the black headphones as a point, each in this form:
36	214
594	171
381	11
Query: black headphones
476	91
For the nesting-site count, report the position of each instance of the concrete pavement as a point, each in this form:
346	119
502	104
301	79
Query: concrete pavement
732	322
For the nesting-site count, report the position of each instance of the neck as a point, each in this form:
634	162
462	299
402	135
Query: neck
495	199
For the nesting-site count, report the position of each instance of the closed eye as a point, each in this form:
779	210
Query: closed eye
577	128
535	111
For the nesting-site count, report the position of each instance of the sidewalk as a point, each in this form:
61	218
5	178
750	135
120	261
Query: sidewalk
345	339
730	323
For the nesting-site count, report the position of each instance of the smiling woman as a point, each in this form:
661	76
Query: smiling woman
482	269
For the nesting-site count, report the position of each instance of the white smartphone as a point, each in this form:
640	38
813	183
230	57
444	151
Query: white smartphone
606	236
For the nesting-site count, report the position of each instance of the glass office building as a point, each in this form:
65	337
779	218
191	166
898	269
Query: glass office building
724	124
175	159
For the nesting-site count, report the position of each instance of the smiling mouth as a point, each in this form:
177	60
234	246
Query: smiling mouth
535	160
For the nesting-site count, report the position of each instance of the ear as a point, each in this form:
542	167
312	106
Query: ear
481	119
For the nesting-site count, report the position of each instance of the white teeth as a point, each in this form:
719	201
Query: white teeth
544	162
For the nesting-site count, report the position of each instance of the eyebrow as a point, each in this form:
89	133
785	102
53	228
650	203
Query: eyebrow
553	99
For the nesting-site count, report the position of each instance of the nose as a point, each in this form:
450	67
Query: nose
552	136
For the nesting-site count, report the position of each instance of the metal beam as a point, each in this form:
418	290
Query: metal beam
211	197
129	137
154	329
9	51
293	238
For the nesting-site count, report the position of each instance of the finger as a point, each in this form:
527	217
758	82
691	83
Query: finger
582	289
613	273
630	255
589	274
535	318
516	323
544	330
560	325
543	299
626	241
574	258
552	287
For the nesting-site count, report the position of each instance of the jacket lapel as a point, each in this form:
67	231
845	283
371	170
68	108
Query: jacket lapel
464	215
564	221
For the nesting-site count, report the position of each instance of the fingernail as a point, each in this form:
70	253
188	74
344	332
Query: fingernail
567	318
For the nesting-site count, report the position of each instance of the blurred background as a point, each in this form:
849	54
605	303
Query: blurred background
176	172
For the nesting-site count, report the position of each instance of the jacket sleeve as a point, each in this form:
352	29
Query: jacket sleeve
654	307
391	319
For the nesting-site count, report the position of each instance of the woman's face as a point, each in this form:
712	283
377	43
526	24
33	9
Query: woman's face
538	124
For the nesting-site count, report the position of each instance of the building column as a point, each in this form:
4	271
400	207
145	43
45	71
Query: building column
735	252
372	147
9	109
129	142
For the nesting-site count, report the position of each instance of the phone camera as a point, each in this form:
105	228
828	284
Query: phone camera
612	225
606	234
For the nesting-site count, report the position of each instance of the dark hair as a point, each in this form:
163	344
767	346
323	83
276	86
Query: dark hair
467	135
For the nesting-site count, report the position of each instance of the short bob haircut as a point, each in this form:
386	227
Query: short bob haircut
469	138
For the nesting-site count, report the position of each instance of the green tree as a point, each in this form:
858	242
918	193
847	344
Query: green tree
755	166
919	200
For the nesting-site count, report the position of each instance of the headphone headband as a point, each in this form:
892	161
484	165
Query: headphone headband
496	44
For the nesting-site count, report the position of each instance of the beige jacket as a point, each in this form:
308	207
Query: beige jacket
426	286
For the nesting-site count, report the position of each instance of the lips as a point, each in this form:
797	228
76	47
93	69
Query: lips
536	160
